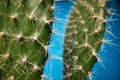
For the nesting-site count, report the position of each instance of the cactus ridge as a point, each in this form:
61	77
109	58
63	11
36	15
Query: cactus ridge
84	37
25	29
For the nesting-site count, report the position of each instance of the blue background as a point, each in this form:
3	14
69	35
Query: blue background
110	53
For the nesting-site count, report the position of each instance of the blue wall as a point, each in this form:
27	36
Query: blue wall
54	65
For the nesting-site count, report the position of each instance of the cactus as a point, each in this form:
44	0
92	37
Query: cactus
25	29
84	37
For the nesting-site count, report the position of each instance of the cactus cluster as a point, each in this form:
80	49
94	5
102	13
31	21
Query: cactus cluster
25	29
84	37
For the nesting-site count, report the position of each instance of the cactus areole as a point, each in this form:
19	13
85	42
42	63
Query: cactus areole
84	36
25	29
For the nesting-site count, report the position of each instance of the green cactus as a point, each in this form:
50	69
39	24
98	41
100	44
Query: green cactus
25	29
84	36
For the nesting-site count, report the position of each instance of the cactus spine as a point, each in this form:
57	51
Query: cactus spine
25	29
84	36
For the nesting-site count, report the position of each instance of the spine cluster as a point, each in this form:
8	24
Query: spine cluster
84	36
25	29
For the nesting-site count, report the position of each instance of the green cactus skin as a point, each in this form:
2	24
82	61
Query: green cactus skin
84	36
25	29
